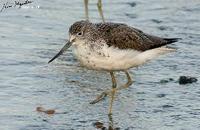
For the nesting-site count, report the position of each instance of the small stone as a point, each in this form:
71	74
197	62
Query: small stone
132	4
27	16
187	79
166	80
49	111
161	95
40	109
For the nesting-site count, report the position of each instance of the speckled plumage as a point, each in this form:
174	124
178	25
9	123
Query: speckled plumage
120	35
113	47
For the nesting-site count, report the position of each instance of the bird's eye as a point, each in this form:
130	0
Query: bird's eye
79	33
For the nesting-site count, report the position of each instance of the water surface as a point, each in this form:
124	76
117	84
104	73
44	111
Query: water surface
30	36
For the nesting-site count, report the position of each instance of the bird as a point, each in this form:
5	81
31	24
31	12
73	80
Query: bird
99	5
113	47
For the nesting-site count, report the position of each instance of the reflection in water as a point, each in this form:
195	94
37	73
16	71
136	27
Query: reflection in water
100	125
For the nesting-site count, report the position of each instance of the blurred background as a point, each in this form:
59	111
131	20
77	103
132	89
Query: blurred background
32	34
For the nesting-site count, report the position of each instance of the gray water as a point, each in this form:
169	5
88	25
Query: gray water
31	35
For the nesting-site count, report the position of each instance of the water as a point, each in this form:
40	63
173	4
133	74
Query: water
30	36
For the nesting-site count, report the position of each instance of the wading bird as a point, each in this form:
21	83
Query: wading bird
113	47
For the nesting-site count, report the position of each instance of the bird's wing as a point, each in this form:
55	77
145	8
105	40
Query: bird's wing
125	37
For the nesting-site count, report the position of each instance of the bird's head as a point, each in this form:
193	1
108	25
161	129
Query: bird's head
79	33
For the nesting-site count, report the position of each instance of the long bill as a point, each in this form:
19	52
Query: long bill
66	46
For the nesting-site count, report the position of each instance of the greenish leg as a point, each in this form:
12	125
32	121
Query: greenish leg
99	5
129	82
100	97
86	9
104	94
113	91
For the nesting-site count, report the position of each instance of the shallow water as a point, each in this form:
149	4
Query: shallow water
31	35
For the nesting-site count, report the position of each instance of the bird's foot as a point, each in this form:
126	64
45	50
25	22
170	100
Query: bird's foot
100	97
109	92
129	83
103	95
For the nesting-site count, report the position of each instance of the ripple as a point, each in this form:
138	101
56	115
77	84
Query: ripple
156	21
167	106
132	16
160	95
132	4
31	36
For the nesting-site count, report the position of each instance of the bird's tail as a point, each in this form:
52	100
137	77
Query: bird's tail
153	53
171	40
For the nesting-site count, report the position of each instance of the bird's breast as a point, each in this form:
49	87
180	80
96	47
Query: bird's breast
102	57
89	55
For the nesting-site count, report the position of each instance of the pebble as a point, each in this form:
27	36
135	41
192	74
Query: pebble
49	111
187	80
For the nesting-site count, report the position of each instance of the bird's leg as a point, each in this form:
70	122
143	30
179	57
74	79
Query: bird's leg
110	127
100	97
129	82
99	5
113	91
86	9
104	94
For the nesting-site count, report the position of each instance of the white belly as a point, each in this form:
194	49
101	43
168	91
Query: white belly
114	59
105	58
